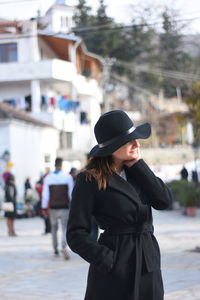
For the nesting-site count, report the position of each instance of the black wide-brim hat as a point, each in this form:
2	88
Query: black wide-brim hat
113	130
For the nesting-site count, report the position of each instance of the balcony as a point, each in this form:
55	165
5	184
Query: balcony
47	69
54	70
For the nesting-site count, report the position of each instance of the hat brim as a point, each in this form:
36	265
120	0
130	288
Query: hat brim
141	132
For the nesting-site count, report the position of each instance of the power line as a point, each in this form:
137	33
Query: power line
105	27
161	72
156	71
132	85
139	89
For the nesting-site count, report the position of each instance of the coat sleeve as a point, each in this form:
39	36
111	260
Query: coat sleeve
158	194
79	226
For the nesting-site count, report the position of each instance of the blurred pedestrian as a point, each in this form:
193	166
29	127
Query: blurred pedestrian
27	189
10	201
195	178
5	175
56	196
119	189
73	172
39	188
184	173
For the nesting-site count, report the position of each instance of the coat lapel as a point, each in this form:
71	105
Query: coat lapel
127	188
124	187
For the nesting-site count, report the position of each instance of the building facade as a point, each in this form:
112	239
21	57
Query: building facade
47	71
30	145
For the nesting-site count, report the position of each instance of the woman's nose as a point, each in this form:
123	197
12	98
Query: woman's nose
135	143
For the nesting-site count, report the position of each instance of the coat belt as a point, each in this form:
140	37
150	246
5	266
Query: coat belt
136	229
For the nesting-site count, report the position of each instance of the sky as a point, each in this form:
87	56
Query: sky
121	10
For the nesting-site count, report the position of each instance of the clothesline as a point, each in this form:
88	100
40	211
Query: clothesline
61	101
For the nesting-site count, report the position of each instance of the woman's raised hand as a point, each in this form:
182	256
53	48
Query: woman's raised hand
130	163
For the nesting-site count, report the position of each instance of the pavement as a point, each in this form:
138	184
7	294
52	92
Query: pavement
29	271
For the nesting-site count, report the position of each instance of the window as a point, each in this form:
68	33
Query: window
69	139
8	52
86	72
47	158
66	140
83	117
64	22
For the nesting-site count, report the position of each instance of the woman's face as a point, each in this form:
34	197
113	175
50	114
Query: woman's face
129	151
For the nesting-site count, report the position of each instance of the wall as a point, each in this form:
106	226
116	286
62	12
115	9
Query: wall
45	51
4	145
169	155
84	137
18	90
54	16
4	133
28	145
24	49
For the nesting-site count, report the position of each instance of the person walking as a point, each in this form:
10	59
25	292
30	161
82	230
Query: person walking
10	197
27	187
39	188
184	173
119	189
73	172
56	196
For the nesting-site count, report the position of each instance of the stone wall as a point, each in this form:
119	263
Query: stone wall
173	155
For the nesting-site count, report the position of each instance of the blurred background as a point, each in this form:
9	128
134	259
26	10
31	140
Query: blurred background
64	63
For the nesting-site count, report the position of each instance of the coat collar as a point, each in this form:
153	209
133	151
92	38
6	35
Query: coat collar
129	188
125	187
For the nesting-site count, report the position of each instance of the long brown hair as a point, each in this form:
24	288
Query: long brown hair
99	168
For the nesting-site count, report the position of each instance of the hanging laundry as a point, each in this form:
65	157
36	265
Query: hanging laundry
11	102
52	101
28	101
43	103
22	103
61	103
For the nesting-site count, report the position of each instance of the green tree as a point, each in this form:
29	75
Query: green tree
102	36
172	56
105	37
137	45
82	16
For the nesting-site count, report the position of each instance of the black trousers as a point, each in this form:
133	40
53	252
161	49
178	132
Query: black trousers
47	225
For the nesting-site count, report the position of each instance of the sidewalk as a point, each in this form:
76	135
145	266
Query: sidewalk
177	236
30	272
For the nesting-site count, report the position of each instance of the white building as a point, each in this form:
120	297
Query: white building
51	75
31	145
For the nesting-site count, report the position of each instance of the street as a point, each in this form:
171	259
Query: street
29	271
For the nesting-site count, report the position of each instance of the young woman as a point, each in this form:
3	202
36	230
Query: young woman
119	189
10	197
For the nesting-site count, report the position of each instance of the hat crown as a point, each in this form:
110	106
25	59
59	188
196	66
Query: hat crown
111	125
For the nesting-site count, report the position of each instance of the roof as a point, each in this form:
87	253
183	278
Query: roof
68	37
9	112
6	26
59	35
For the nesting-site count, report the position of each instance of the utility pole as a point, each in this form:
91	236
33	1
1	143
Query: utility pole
107	64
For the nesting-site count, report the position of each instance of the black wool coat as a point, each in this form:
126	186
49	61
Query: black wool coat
125	261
